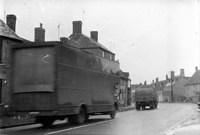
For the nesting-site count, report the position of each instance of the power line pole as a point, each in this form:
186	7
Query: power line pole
172	80
58	31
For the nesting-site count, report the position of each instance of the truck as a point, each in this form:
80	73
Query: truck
52	80
146	96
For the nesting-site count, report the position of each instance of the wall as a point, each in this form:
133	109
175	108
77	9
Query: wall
192	93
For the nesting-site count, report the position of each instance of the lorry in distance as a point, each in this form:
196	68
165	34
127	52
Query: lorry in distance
145	96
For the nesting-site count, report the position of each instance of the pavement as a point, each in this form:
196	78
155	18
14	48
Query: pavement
189	126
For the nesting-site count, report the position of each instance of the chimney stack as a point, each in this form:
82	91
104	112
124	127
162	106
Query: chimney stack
94	35
182	74
196	69
145	83
156	79
11	21
167	78
77	27
172	75
39	34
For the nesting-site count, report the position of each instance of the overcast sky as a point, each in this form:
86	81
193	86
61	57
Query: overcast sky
149	37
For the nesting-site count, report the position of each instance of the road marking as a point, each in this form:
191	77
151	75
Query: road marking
73	128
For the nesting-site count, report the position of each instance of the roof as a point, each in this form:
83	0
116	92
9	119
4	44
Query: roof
7	32
124	75
87	42
195	79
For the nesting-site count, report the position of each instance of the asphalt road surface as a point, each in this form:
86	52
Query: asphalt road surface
148	122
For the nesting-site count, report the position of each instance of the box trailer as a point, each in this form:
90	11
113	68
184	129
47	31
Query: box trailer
52	81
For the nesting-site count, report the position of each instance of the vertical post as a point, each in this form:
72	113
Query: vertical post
172	91
172	80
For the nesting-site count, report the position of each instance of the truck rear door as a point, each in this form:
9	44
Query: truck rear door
33	78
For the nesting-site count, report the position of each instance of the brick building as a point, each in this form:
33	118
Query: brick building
8	37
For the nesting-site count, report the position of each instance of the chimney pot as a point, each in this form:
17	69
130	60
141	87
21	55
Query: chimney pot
11	21
167	78
172	75
77	27
94	35
40	25
145	83
157	80
182	74
39	34
196	68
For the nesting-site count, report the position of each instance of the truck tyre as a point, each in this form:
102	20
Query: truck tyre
113	114
79	118
152	106
137	107
156	106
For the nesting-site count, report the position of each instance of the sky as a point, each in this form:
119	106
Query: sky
149	37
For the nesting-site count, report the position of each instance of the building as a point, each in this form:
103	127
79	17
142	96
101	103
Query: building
124	96
8	37
175	89
193	87
91	45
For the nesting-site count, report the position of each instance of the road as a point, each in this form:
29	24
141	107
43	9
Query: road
148	122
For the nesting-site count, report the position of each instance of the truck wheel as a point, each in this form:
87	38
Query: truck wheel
81	117
113	114
137	107
156	106
152	106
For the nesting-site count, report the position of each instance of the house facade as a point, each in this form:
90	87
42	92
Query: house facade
8	37
175	89
124	96
193	87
